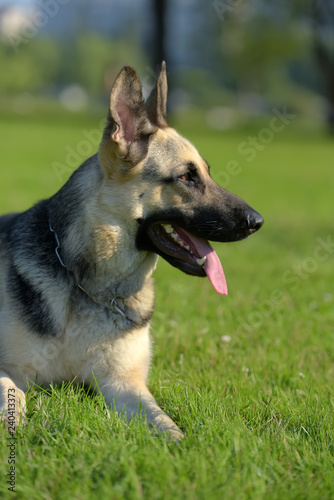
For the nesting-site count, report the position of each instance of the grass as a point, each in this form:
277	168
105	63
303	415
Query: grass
257	406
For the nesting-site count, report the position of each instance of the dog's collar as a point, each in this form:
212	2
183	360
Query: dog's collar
113	305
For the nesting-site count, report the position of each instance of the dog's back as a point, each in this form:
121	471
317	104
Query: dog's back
6	223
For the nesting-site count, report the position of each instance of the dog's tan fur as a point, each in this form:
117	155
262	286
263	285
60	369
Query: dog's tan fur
116	190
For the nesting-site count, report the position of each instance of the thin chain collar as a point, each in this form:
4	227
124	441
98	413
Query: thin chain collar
113	301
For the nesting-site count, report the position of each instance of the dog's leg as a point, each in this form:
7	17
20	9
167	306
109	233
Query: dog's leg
139	401
12	403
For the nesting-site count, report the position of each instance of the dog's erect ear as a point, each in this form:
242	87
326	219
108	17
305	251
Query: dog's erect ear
127	122
156	103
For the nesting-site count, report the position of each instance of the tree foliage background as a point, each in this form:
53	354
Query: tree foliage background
221	53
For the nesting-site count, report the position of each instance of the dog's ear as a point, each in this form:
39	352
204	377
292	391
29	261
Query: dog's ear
128	124
156	103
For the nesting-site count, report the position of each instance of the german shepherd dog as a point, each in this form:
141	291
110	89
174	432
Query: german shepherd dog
76	293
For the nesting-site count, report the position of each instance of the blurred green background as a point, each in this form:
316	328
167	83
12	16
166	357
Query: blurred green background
229	61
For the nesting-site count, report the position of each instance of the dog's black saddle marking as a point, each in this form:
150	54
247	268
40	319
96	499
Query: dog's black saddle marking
6	223
35	311
17	231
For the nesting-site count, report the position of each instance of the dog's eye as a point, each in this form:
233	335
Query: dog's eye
190	175
185	177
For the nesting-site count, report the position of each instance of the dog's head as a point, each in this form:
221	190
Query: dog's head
168	197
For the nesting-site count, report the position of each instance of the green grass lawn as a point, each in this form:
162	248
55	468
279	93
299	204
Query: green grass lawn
247	377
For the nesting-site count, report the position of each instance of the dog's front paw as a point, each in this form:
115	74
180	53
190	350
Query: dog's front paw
171	432
176	435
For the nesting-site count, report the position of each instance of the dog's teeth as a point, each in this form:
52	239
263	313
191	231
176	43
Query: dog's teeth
187	248
201	261
168	228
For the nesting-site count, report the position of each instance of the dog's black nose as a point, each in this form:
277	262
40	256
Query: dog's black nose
255	221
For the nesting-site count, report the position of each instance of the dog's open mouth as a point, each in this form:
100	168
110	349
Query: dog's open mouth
189	253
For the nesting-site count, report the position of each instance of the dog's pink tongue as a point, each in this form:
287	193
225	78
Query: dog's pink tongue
212	265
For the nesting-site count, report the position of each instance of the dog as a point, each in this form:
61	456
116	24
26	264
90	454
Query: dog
76	293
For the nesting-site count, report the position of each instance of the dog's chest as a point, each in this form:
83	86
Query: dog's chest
96	343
